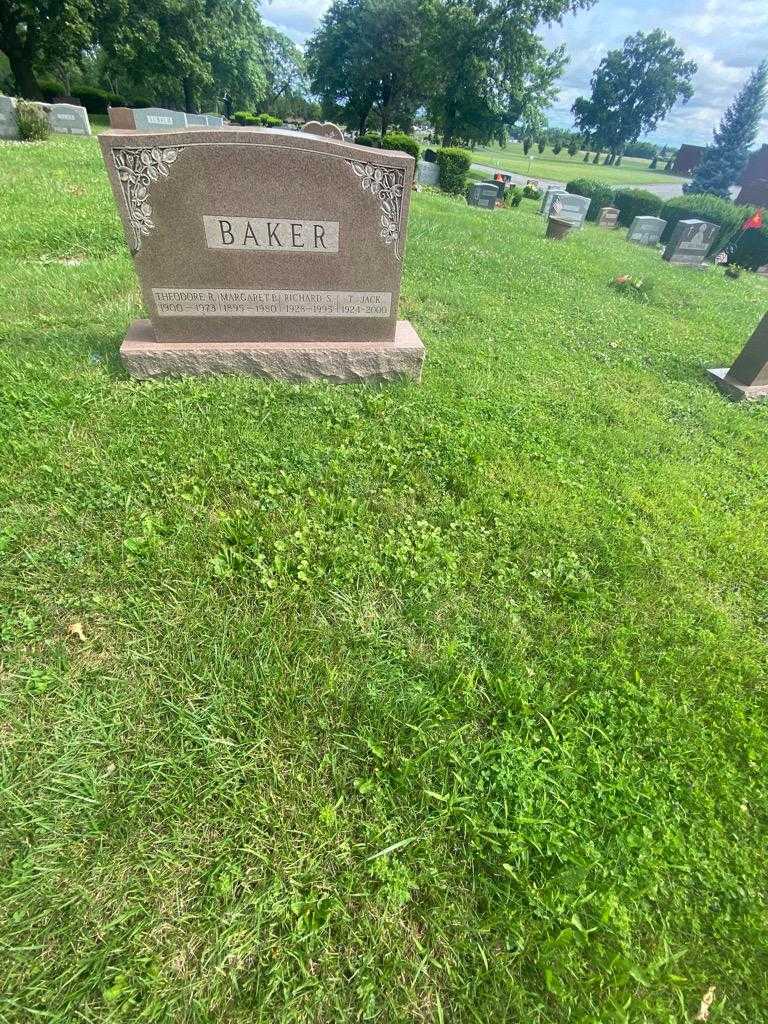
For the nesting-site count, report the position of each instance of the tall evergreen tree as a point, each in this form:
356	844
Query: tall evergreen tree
725	160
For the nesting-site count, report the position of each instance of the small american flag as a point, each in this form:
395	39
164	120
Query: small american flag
722	257
557	207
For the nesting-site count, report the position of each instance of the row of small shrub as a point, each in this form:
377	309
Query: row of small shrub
391	140
245	117
95	101
752	250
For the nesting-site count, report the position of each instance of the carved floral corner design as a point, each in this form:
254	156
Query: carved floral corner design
388	185
137	169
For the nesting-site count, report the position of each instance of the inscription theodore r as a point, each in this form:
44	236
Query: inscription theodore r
275	235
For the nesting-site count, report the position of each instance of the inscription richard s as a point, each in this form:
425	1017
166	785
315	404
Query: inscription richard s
271	234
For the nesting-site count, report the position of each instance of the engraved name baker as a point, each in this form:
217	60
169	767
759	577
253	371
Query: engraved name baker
273	234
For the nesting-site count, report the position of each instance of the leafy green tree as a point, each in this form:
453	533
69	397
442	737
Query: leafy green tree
372	57
541	145
527	143
633	89
35	34
557	148
725	160
654	163
573	148
284	70
200	50
490	67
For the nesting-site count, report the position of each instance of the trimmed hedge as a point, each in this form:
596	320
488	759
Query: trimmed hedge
245	117
401	141
752	249
51	87
370	139
454	164
600	194
32	122
636	202
96	101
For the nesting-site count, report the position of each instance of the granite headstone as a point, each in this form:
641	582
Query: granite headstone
428	173
690	242
608	217
748	377
68	119
646	230
484	195
148	119
264	251
8	127
325	129
573	208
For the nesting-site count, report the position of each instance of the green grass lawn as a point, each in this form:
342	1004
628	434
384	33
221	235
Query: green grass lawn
562	167
439	703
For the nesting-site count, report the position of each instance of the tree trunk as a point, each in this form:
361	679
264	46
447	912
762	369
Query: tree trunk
188	97
24	76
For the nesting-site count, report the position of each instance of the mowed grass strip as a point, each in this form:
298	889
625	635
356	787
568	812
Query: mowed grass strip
431	703
563	167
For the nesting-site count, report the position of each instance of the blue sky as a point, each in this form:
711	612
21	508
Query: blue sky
726	38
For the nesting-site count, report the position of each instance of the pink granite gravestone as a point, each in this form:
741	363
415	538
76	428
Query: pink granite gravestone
264	251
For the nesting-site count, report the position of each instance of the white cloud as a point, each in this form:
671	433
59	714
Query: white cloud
725	39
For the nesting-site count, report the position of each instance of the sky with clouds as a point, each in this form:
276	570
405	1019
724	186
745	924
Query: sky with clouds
726	38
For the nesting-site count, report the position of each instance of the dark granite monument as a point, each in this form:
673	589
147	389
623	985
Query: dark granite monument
690	242
483	194
748	377
263	251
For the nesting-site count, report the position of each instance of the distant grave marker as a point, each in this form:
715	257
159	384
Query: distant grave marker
691	241
147	119
573	209
608	217
646	230
69	119
483	194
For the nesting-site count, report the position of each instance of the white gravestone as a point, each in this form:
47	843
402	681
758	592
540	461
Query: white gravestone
547	199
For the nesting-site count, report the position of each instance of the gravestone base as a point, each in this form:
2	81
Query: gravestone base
339	362
732	388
